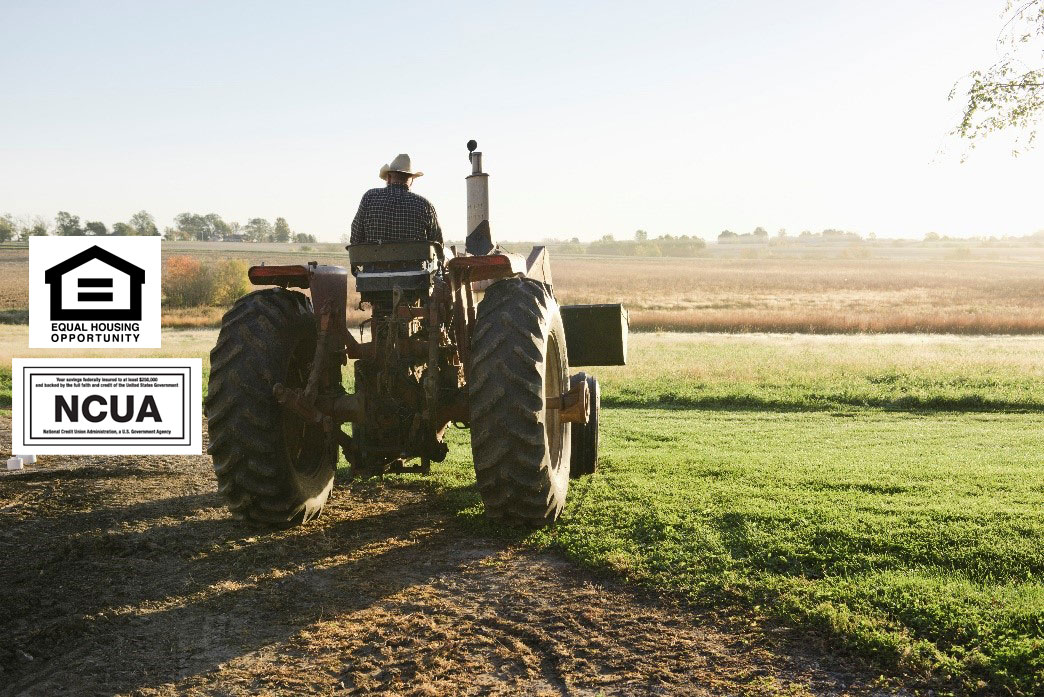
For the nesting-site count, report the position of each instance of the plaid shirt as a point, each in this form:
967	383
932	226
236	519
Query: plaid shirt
395	214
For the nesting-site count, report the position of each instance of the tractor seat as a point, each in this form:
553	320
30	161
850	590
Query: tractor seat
379	277
384	267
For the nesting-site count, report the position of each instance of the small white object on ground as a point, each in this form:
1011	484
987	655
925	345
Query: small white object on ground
27	459
15	463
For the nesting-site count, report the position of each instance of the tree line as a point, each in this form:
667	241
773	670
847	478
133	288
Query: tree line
641	246
760	234
209	227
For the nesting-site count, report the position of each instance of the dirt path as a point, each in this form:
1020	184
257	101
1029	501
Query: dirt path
124	575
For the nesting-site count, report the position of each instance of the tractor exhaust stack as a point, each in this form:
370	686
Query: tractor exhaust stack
479	240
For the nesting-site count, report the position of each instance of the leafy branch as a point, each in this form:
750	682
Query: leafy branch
1010	93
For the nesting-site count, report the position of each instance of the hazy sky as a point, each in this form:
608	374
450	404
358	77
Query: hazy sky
595	118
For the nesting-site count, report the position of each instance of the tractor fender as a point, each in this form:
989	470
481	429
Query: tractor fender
328	286
329	289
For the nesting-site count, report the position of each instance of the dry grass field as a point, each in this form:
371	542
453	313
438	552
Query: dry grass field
972	296
891	290
14	278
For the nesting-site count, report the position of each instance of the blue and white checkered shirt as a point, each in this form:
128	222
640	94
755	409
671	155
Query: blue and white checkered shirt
395	214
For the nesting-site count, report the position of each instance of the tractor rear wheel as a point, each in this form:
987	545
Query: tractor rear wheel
272	467
518	360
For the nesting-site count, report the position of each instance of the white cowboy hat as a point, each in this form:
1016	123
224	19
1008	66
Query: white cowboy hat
401	163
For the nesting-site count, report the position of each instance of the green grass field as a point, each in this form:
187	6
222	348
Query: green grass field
915	538
886	491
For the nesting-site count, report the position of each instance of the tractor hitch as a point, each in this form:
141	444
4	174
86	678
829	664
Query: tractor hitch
341	409
295	400
574	405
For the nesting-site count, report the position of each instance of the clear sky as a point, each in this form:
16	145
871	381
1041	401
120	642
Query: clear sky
595	118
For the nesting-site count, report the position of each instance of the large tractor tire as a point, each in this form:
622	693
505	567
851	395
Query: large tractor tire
584	458
520	448
272	467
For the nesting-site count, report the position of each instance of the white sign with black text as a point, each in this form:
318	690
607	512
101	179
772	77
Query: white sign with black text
94	292
107	406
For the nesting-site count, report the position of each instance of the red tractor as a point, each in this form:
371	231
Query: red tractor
476	339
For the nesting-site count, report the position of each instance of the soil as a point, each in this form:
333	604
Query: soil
125	575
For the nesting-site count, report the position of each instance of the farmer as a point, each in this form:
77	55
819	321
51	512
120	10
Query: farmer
394	213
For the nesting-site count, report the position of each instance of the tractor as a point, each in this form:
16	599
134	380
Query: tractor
472	338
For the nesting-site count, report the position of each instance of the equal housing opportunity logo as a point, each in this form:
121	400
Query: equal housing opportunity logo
94	292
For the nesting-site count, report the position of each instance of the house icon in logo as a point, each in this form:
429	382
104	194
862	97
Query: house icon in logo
95	285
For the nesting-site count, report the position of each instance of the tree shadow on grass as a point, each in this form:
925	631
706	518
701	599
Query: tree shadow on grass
906	403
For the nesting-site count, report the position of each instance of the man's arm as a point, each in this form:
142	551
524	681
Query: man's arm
434	231
357	223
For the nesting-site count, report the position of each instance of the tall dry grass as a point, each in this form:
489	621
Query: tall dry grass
827	322
817	296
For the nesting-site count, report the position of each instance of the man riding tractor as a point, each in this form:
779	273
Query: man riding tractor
394	213
477	340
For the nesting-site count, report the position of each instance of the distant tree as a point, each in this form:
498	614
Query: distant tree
782	232
171	234
931	237
7	228
258	230
38	226
641	235
217	229
235	229
304	238
574	240
726	234
281	231
608	238
143	223
1009	93
95	227
192	226
33	228
123	229
760	232
346	238
67	224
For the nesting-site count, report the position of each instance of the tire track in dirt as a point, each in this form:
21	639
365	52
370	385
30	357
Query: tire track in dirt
125	575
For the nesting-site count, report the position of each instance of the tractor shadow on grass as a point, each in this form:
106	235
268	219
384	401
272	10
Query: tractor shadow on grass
117	598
